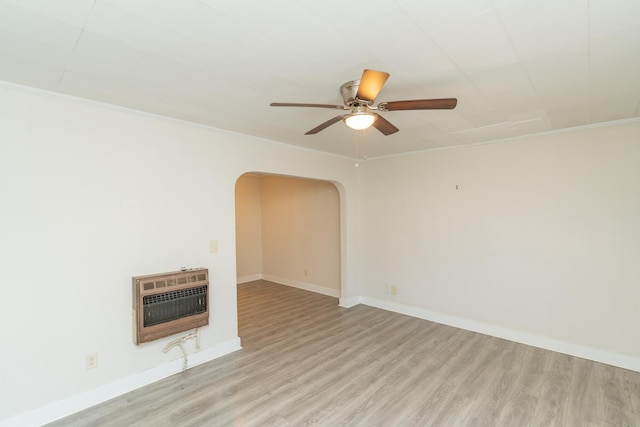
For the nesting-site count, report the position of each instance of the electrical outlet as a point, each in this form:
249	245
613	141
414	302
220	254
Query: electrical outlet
91	361
393	290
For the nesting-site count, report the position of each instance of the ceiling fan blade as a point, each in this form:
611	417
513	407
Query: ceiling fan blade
293	104
371	83
419	104
384	125
326	124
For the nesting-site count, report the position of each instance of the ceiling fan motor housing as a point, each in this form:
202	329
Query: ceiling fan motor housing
349	91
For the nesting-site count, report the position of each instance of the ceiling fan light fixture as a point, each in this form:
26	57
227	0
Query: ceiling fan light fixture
358	97
359	121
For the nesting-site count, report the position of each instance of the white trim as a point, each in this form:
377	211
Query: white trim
572	349
101	104
52	94
514	138
79	402
349	302
303	285
248	278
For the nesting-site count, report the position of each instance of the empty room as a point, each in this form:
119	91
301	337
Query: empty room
382	213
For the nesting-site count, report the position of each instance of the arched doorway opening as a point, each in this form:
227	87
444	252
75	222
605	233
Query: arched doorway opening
288	231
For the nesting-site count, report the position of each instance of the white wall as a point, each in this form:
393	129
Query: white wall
541	236
541	240
249	228
93	195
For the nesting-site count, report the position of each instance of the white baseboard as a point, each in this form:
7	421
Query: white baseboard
577	350
349	302
303	285
249	278
119	387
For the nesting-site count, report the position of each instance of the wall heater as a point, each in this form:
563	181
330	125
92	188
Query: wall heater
168	303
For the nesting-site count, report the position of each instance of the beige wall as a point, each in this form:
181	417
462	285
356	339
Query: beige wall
299	233
541	238
249	228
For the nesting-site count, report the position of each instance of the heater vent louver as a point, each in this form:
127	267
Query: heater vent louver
173	305
168	303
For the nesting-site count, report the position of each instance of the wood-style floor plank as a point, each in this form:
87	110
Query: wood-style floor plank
307	361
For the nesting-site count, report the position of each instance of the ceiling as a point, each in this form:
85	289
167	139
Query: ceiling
517	67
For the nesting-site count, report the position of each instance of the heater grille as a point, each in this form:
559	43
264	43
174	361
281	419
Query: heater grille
173	305
167	303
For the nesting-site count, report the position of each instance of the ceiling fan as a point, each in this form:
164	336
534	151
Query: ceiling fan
358	97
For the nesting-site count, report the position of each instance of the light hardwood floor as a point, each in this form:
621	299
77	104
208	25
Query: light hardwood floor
307	361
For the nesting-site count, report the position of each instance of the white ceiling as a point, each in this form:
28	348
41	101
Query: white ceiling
517	67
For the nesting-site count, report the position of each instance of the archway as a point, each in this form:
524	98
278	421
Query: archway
288	231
